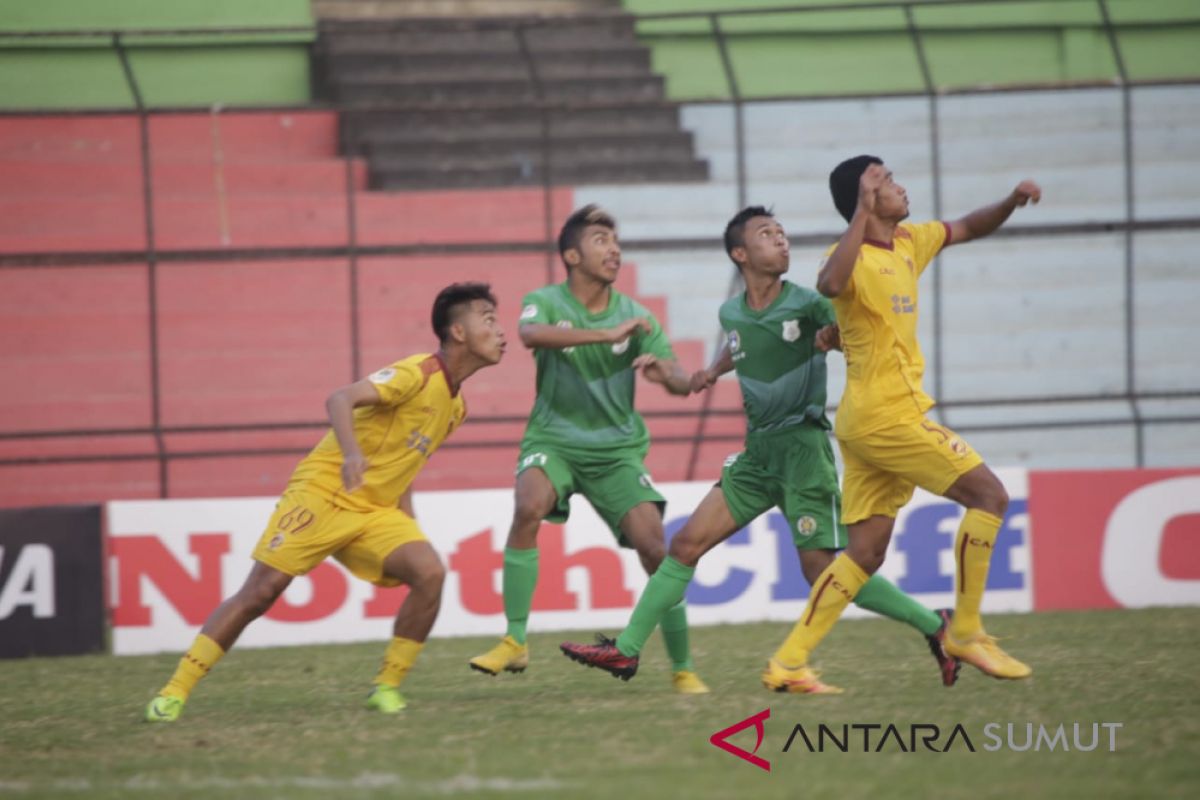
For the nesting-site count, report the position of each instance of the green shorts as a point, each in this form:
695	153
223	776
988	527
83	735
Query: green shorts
612	482
793	469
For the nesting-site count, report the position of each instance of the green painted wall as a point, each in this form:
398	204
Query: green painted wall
871	51
249	69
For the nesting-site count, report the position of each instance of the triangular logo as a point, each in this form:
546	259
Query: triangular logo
719	739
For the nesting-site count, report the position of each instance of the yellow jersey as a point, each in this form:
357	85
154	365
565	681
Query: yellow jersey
397	436
877	315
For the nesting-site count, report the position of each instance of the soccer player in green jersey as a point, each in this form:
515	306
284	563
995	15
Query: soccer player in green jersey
776	337
584	435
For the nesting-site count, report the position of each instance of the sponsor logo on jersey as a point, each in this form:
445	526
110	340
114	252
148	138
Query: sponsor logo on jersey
529	312
620	347
735	341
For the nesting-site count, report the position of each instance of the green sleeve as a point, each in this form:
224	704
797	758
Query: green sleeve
823	313
656	342
535	310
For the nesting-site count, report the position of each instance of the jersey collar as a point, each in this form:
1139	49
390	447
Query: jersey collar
454	390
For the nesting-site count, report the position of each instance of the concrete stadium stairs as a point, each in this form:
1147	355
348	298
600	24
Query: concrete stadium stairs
435	98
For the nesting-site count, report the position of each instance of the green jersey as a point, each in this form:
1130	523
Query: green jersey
780	369
585	393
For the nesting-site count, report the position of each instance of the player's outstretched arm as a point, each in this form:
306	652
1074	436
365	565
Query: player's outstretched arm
340	407
704	378
551	337
837	270
668	373
983	221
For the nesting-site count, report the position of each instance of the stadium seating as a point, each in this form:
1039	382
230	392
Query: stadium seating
244	343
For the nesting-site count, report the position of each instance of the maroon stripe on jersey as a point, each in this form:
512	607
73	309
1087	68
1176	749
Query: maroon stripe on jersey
816	599
441	364
879	244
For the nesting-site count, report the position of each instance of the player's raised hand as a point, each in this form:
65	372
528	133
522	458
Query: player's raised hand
1026	192
829	338
353	467
868	186
629	328
702	379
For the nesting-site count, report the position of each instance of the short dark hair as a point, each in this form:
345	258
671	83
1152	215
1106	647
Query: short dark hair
735	231
843	183
572	230
450	300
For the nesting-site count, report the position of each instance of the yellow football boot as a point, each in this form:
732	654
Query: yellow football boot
797	680
982	652
508	656
687	682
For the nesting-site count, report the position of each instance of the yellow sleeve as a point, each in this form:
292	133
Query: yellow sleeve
928	240
398	383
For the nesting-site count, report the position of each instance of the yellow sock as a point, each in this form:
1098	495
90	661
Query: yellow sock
195	664
397	661
831	593
972	555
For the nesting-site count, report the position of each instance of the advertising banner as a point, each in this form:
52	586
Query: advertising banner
173	561
51	572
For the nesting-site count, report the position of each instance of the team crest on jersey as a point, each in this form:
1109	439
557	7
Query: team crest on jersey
529	312
735	341
806	526
382	376
276	540
620	347
791	330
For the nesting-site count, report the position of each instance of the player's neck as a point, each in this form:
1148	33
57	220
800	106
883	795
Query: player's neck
880	230
762	290
459	365
592	294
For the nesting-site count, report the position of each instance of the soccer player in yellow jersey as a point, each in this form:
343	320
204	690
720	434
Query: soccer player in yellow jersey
351	498
888	445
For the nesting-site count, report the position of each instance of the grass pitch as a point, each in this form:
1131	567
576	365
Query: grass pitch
288	722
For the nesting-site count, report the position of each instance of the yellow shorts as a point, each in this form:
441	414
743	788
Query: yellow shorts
306	529
884	467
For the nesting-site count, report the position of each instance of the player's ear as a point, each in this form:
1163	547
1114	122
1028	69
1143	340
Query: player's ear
572	256
738	254
458	332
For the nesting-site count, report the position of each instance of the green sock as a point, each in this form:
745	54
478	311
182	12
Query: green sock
884	597
666	588
675	637
520	579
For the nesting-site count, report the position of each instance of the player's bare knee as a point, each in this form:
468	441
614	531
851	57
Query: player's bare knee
685	551
527	518
869	555
997	499
651	557
428	579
